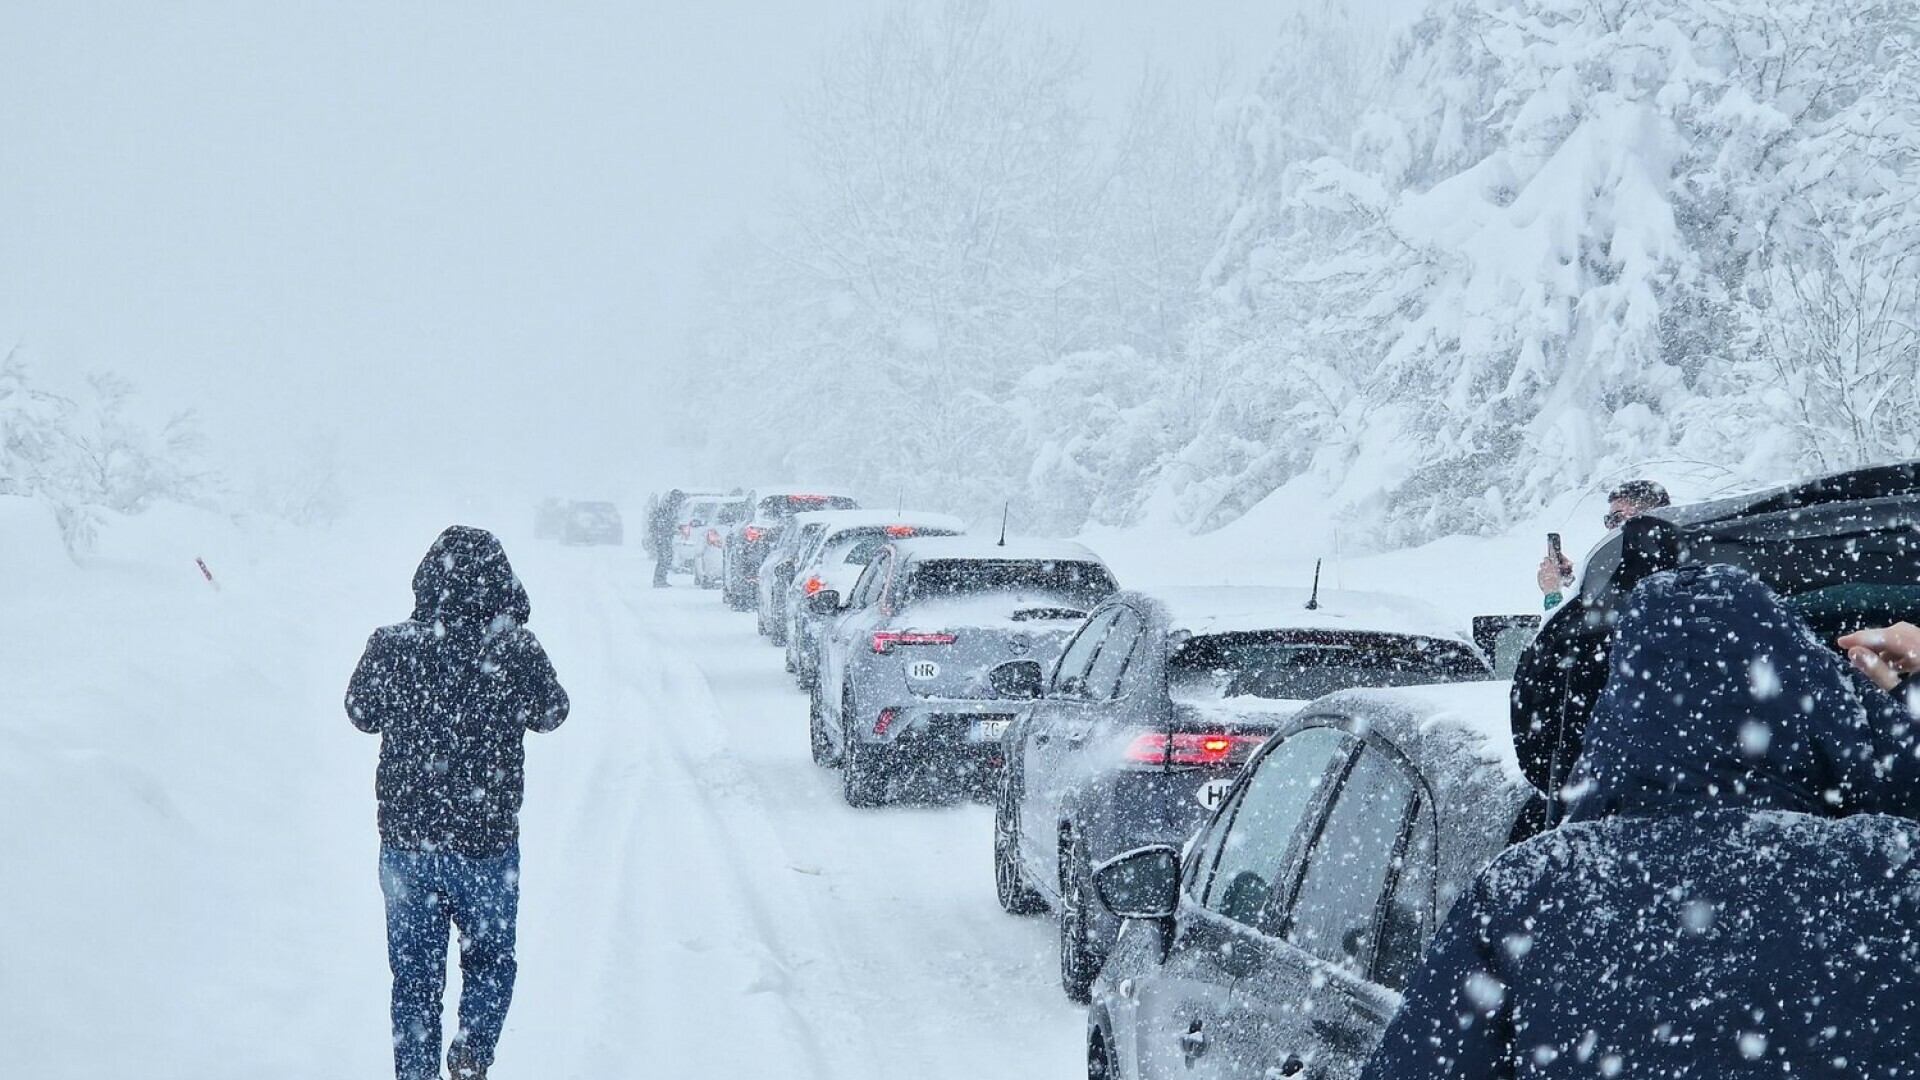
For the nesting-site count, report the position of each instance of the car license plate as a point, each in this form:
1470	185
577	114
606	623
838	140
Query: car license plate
990	730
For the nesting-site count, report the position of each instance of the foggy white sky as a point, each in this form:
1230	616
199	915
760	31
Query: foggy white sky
462	232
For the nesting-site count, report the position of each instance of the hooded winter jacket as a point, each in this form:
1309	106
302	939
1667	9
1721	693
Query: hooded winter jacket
1737	890
451	693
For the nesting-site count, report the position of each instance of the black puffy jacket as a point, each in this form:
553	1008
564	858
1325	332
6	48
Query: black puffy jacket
451	693
1737	888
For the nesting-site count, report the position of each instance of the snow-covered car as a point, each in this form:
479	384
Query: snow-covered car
701	535
776	572
834	561
592	523
1278	942
902	701
1151	713
549	518
1843	550
747	543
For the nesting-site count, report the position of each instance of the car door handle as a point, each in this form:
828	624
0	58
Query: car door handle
1193	1043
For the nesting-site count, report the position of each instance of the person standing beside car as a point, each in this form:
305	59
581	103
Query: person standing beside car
1556	575
1735	888
660	525
452	692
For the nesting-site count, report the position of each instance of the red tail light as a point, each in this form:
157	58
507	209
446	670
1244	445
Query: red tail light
713	537
814	585
753	533
901	530
686	530
885	721
884	641
1193	748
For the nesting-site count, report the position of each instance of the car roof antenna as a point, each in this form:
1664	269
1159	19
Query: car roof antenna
1005	508
1313	601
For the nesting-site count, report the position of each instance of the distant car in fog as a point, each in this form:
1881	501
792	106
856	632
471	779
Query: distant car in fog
834	561
592	523
746	544
1279	940
550	518
1153	709
902	701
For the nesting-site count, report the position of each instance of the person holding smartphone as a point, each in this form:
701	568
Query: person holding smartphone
1556	570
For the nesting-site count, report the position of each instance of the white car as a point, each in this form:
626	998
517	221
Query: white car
701	529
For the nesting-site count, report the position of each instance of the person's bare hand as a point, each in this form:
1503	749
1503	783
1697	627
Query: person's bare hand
1884	654
1554	574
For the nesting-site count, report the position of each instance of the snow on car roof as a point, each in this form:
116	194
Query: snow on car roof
1477	710
1220	609
987	548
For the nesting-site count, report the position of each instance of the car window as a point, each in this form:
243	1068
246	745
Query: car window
1336	909
1077	584
1411	910
731	513
1302	665
1103	678
1070	674
1255	837
867	589
701	512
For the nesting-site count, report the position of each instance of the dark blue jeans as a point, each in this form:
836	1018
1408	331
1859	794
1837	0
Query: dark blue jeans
425	894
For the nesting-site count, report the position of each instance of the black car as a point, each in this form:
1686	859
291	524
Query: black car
1844	550
746	544
1278	942
1153	709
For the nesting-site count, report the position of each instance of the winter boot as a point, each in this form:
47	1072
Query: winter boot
461	1066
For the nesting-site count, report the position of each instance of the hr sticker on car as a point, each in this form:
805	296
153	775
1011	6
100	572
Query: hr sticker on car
1212	793
923	670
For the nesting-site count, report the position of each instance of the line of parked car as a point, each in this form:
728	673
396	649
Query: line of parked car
1247	810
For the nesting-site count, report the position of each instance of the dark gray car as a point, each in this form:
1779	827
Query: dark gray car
1278	942
1153	710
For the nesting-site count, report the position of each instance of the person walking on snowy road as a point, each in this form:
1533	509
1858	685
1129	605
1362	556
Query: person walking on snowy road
451	693
1734	892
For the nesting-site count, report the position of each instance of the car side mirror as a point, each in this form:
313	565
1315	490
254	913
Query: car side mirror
1503	638
1021	679
1142	884
824	602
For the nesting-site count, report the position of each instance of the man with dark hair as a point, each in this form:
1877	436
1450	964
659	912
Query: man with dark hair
1623	502
451	692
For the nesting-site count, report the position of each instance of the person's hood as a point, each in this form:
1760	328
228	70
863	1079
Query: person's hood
465	580
1717	696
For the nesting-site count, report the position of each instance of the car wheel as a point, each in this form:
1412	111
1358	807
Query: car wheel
1016	894
862	772
1103	1062
817	731
1078	961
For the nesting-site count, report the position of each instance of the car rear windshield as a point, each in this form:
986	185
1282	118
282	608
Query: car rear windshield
1301	665
1079	584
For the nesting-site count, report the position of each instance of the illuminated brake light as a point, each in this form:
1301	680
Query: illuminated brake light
884	640
901	530
686	530
814	585
1192	748
753	533
885	721
713	537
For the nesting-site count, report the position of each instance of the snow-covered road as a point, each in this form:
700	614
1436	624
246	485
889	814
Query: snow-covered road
700	902
187	851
